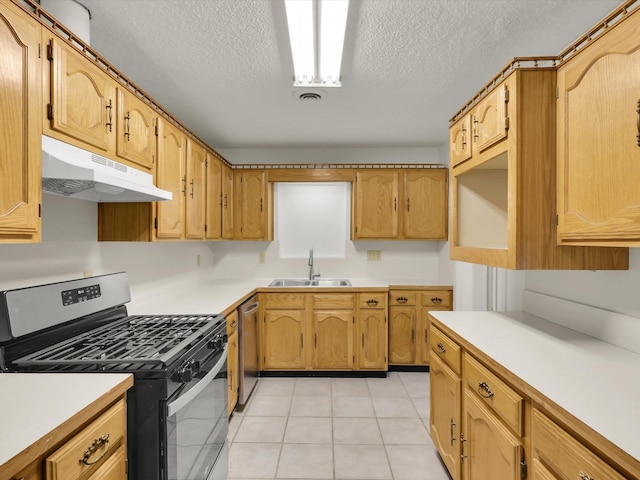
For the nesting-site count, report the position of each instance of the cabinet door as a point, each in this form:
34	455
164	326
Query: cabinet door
135	139
82	98
489	449
20	118
490	121
227	203
598	141
213	202
232	370
196	190
402	335
251	205
283	339
445	414
115	468
425	208
460	137
171	176
376	210
332	339
372	332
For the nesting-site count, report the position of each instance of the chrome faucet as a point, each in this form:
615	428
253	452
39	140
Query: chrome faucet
312	274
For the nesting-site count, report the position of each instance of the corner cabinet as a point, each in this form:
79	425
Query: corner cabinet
253	200
20	117
400	204
599	140
503	180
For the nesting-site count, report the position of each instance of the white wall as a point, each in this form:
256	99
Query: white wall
618	291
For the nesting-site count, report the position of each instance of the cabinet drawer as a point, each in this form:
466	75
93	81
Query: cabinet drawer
373	300
436	298
402	297
232	323
563	455
445	348
332	301
495	393
284	300
94	441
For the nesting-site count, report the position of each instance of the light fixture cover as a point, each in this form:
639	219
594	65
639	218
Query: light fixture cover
316	32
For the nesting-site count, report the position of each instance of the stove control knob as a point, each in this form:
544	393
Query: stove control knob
183	375
217	342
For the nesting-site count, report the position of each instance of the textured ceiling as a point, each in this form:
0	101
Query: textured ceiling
224	68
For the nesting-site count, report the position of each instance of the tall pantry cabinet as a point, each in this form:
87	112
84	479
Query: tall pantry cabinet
20	117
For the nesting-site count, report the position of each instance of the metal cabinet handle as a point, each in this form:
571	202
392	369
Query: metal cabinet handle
413	335
233	323
184	185
426	337
315	340
363	340
192	187
395	204
452	427
225	200
221	200
475	129
464	137
372	302
462	455
97	443
484	387
585	477
127	122
408	204
638	123
436	300
109	109
441	348
401	299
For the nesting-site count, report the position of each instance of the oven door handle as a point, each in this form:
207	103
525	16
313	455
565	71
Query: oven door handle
183	400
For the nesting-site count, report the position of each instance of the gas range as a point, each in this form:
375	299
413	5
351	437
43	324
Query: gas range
178	363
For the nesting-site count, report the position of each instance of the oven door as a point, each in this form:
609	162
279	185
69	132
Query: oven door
198	422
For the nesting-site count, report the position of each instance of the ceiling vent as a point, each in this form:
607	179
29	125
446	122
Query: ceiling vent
308	95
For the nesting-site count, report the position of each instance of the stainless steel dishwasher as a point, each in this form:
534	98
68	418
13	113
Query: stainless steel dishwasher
249	369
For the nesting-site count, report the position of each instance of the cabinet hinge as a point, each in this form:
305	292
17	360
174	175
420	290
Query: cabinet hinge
506	94
506	123
49	111
557	93
50	51
155	223
156	130
523	470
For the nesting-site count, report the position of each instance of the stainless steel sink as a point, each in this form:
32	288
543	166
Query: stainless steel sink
302	282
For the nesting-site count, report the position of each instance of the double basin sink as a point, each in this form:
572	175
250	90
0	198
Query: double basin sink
318	282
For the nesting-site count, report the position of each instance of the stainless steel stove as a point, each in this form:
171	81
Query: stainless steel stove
177	410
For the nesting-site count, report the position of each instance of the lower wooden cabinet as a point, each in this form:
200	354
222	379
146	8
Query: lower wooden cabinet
409	322
558	455
445	414
489	449
324	331
232	371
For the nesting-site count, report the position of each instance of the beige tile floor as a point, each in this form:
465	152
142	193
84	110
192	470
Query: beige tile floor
336	428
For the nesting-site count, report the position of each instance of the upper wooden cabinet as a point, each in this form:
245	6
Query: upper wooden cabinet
376	204
599	140
226	200
460	140
171	176
503	195
213	207
136	123
20	121
253	216
380	195
82	104
196	177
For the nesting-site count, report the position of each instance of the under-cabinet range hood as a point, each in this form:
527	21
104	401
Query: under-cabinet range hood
72	172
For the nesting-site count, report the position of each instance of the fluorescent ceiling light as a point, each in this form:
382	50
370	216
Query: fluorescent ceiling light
316	33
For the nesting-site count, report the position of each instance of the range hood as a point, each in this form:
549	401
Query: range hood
72	172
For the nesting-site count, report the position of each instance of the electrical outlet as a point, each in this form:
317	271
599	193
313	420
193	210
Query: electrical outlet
261	258
374	255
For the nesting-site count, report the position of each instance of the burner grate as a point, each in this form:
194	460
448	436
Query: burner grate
154	339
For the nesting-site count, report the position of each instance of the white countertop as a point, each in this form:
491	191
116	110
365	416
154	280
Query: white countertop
214	296
594	381
35	404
